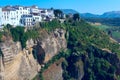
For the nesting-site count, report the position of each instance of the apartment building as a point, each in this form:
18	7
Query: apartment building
0	18
30	19
27	20
12	15
25	16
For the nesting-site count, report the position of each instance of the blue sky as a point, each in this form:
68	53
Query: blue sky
83	6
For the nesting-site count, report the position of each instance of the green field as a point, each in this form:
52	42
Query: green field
116	34
102	27
114	30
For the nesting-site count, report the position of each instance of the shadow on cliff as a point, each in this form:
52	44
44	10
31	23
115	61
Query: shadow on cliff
39	53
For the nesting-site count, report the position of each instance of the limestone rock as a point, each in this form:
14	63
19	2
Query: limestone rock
53	43
18	64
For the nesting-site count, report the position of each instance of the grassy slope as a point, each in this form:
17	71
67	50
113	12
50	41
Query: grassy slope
116	34
102	27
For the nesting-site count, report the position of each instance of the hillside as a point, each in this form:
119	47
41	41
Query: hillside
69	11
110	14
112	31
89	15
76	50
89	51
111	18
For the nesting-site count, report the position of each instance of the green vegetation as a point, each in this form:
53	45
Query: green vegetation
105	21
58	13
50	26
84	40
113	31
86	34
97	66
1	34
102	27
116	34
84	43
76	17
18	34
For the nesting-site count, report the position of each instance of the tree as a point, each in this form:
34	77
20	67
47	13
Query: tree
76	16
17	32
58	13
51	8
1	36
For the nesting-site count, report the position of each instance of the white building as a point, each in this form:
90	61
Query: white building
13	15
50	13
0	17
47	13
26	16
9	17
34	9
27	20
37	17
30	19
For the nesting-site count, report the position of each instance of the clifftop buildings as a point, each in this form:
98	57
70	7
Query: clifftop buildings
24	16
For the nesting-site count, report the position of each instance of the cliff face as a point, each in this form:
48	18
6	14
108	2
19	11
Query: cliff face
54	71
18	64
51	43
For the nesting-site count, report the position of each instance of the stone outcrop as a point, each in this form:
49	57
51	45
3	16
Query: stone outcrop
20	64
54	71
52	43
17	64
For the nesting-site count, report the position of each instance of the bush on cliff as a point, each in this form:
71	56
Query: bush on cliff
18	34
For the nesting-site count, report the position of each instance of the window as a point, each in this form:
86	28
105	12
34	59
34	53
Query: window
7	13
20	8
7	17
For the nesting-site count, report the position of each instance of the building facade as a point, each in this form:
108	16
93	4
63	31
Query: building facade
0	17
26	20
25	16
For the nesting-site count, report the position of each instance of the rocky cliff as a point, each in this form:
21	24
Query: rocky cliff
20	64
